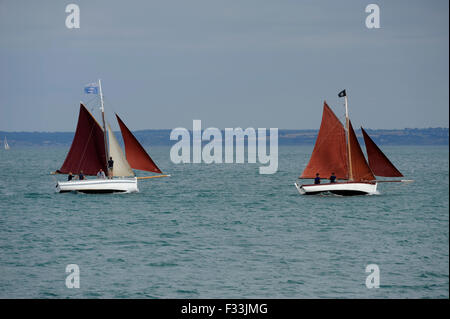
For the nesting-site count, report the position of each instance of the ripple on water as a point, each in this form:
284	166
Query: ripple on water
225	231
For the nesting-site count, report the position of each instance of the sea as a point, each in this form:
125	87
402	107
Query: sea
224	231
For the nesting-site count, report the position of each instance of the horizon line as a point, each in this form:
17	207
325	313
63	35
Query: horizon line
286	129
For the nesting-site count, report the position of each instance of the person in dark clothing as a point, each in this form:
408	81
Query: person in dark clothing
81	176
110	167
332	178
317	179
70	177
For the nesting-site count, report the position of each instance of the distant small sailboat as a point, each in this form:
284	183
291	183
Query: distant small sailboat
337	151
91	148
6	144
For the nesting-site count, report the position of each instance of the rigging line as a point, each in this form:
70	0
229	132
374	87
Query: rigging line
113	109
88	102
85	146
110	105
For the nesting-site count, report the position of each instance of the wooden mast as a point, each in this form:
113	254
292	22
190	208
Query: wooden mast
104	124
347	126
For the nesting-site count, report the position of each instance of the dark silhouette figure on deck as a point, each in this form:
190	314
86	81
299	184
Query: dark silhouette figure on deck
317	179
332	178
110	168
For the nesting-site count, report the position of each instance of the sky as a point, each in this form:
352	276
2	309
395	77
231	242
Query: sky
228	63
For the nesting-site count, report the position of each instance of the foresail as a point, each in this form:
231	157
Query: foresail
121	166
378	162
360	169
87	152
329	154
136	155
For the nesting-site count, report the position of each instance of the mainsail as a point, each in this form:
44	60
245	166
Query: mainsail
378	162
121	166
136	155
87	152
360	169
329	154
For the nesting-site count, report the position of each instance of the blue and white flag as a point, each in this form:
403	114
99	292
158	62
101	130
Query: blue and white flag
91	88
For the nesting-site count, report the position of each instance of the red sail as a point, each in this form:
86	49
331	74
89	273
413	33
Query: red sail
329	154
360	169
378	162
87	152
136	155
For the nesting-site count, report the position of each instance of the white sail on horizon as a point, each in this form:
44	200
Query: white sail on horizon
6	144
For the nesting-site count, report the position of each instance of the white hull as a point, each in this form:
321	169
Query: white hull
124	185
346	188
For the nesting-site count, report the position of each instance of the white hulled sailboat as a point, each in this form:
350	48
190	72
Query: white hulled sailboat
6	144
91	149
337	151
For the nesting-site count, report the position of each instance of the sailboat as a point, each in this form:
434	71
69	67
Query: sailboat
92	147
337	152
6	144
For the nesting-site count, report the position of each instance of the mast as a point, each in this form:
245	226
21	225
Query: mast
349	153
102	108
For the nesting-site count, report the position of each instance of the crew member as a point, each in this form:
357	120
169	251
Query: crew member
332	178
110	167
101	174
317	179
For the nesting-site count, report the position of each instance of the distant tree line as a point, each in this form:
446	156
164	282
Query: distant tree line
407	136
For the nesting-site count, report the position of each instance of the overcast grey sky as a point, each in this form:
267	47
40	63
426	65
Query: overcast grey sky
229	63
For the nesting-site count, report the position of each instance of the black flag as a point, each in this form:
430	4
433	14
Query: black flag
342	93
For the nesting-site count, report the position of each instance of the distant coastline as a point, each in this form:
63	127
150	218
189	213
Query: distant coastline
425	136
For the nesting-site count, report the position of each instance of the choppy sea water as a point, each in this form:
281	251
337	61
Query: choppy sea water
224	231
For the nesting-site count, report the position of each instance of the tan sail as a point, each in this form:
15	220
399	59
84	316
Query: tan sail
121	166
